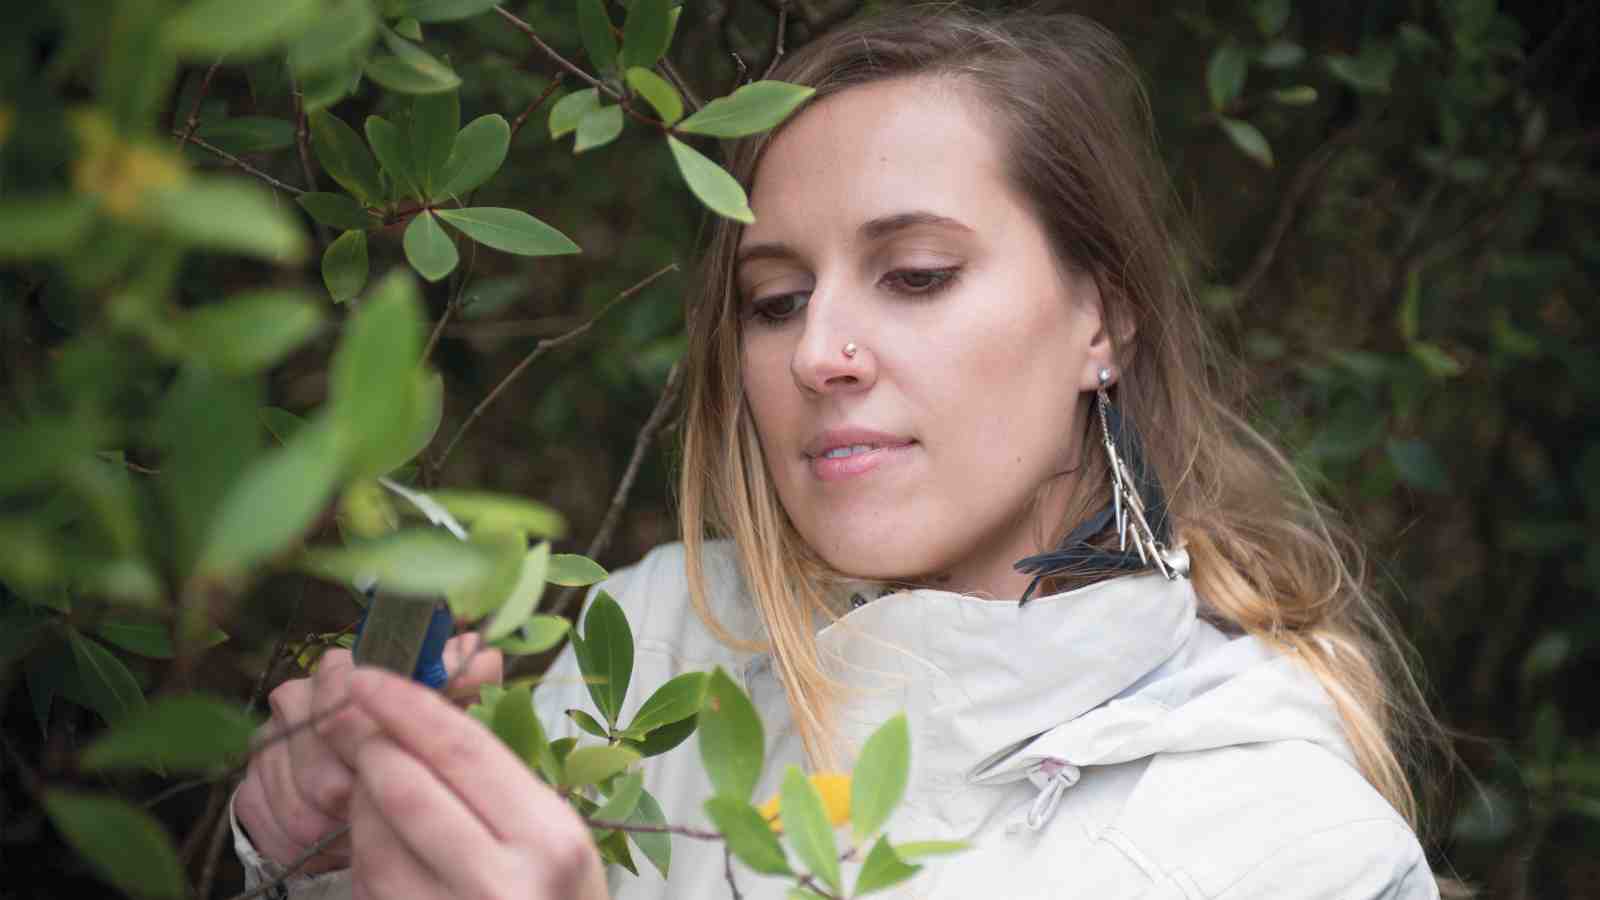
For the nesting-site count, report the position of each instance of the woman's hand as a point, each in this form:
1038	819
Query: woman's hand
442	809
298	790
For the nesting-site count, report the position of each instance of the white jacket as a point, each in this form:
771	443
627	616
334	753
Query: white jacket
1099	743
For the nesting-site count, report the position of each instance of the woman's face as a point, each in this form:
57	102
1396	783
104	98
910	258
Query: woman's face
884	219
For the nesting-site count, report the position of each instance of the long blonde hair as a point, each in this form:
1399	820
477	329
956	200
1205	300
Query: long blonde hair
1266	558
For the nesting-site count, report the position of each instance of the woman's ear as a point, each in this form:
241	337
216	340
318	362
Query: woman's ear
1111	342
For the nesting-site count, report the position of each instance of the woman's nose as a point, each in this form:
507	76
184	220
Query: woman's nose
832	354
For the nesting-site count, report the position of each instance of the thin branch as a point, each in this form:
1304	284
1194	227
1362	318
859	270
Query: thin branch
455	302
690	98
809	882
727	871
218	151
699	834
777	47
539	349
619	498
1299	186
501	329
208	873
522	117
302	142
194	111
560	60
322	844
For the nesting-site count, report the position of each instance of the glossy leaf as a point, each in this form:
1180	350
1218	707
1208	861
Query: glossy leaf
647	32
538	634
1248	139
656	91
623	800
250	332
228	215
879	780
753	108
274	502
435	118
429	249
447	10
574	570
591	765
344	266
656	847
184	733
394	155
748	835
570	110
598	127
678	699
882	869
732	741
102	682
516	724
806	826
666	737
238	28
414	561
344	156
124	844
1225	74
511	230
524	598
605	655
476	155
410	69
588	723
594	25
711	183
336	210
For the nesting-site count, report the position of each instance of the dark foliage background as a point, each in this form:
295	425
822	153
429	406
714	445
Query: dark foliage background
1409	285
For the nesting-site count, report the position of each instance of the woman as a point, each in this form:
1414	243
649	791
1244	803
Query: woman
957	335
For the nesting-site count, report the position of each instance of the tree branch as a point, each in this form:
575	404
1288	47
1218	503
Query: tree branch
218	151
194	111
522	117
322	844
539	350
560	60
1299	186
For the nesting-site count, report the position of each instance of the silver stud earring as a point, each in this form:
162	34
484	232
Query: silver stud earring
850	350
1128	504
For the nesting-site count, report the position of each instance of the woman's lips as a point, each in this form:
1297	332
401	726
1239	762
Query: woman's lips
838	468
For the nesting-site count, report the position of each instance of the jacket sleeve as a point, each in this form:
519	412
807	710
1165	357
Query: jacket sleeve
258	870
1371	859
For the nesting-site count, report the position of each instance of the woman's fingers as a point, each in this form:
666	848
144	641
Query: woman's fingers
340	726
382	865
484	665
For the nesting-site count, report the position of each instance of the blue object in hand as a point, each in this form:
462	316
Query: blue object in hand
430	668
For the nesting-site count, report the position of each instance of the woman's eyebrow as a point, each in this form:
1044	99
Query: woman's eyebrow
870	230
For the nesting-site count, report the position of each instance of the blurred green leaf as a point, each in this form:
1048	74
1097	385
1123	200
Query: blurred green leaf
1299	95
880	777
1281	55
511	230
1434	358
1270	15
647	32
251	331
228	215
570	110
425	412
394	155
574	570
248	134
1367	73
538	634
373	380
43	225
274	502
732	742
345	29
336	211
1225	74
711	183
882	869
344	156
150	639
531	517
753	108
661	96
411	69
414	561
623	800
598	127
241	29
806	826
476	155
124	844
506	550
1549	653
447	10
918	849
524	597
429	249
749	836
1248	139
598	41
184	733
344	266
591	765
1418	465
103	683
605	654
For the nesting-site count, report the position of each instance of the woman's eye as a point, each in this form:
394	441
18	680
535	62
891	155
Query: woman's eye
921	281
776	309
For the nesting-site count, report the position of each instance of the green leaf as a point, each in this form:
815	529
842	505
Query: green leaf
274	502
434	121
336	210
1433	358
666	737
429	249
574	570
1225	74
425	413
1271	16
623	800
248	134
413	561
44	225
591	765
393	155
1299	95
678	699
250	332
1368	73
511	230
538	634
532	518
477	154
345	30
1248	139
372	383
524	597
711	183
882	869
408	28
411	70
806	825
150	639
919	849
506	550
1418	465
103	683
656	91
344	157
594	25
755	107
515	723
605	654
587	722
749	836
448	10
880	776
656	847
240	29
231	216
187	733
1282	55
344	266
598	127
647	33
570	110
124	844
732	743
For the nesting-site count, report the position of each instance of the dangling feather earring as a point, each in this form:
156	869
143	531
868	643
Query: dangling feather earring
1136	499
